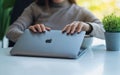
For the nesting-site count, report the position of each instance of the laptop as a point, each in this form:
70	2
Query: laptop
52	43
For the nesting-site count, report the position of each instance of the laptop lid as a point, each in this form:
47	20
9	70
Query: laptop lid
49	44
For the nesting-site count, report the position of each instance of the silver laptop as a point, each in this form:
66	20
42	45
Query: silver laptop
52	43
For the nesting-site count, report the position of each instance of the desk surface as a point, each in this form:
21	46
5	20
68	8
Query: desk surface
96	61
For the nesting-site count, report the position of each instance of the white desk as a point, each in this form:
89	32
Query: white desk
96	61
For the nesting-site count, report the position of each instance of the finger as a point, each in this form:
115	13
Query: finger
68	29
79	28
73	28
42	27
64	29
48	28
38	28
32	29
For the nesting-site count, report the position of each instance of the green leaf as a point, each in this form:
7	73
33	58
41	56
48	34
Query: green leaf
5	9
8	3
111	23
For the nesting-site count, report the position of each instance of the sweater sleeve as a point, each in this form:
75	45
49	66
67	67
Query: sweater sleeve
18	27
97	26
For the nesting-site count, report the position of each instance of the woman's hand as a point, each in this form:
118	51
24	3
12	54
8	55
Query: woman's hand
76	26
39	28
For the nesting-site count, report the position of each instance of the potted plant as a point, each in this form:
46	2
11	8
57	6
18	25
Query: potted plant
112	32
5	9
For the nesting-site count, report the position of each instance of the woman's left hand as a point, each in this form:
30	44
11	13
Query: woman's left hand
76	26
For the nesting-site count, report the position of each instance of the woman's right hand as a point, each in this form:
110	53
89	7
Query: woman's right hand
39	28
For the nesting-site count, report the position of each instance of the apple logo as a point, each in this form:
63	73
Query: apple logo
48	41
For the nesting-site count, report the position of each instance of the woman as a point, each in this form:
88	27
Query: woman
62	15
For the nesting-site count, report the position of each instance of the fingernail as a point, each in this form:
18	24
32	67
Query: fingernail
67	33
43	31
78	32
63	31
72	33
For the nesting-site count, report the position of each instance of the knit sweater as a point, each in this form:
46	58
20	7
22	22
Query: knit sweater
57	17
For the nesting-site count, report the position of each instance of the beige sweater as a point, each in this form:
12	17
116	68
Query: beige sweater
56	18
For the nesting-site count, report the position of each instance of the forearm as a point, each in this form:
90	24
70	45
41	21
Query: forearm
19	26
14	33
97	30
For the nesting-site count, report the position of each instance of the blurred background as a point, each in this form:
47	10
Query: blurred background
7	7
101	7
